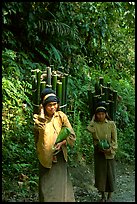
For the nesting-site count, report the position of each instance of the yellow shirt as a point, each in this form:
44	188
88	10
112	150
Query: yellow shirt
46	131
104	130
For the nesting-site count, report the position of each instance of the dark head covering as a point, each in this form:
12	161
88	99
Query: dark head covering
101	107
48	95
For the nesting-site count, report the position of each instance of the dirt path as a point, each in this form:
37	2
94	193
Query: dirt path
83	182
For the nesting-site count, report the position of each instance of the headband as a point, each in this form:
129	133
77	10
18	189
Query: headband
100	107
48	95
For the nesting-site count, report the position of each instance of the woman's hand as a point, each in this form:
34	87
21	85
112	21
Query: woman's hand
58	145
41	110
107	151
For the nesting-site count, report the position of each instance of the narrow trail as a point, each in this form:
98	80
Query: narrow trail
83	182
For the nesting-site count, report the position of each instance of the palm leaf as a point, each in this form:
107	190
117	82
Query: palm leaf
57	54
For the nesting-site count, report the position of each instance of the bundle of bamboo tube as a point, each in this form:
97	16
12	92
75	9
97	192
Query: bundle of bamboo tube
103	93
50	78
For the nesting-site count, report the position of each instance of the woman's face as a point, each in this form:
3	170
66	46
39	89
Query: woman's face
101	116
51	108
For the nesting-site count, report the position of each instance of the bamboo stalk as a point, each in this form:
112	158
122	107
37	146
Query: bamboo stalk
48	86
101	80
105	92
38	86
44	76
48	79
95	101
108	107
34	94
103	97
110	94
49	76
33	90
108	84
63	91
59	91
42	85
97	88
101	83
66	92
111	106
34	72
54	82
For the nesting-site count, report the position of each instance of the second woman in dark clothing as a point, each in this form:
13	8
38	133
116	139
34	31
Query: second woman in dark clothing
104	129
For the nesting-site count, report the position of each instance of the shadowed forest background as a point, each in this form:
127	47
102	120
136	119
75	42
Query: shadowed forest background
89	40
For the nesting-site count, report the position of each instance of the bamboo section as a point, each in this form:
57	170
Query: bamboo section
103	93
101	83
111	109
66	91
42	85
34	94
95	101
59	91
34	91
54	81
101	80
38	86
103	97
108	84
97	88
63	91
49	78
44	76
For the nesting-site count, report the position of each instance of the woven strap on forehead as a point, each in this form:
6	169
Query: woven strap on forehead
100	107
48	95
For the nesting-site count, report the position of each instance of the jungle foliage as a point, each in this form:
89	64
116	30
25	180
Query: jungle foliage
89	39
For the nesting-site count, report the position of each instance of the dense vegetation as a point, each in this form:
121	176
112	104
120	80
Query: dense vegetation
89	39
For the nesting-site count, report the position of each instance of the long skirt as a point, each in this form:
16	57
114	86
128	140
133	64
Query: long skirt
104	172
54	183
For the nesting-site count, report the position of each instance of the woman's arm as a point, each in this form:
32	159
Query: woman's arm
66	123
113	143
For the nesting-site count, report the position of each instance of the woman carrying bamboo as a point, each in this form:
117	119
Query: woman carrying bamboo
54	182
105	144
